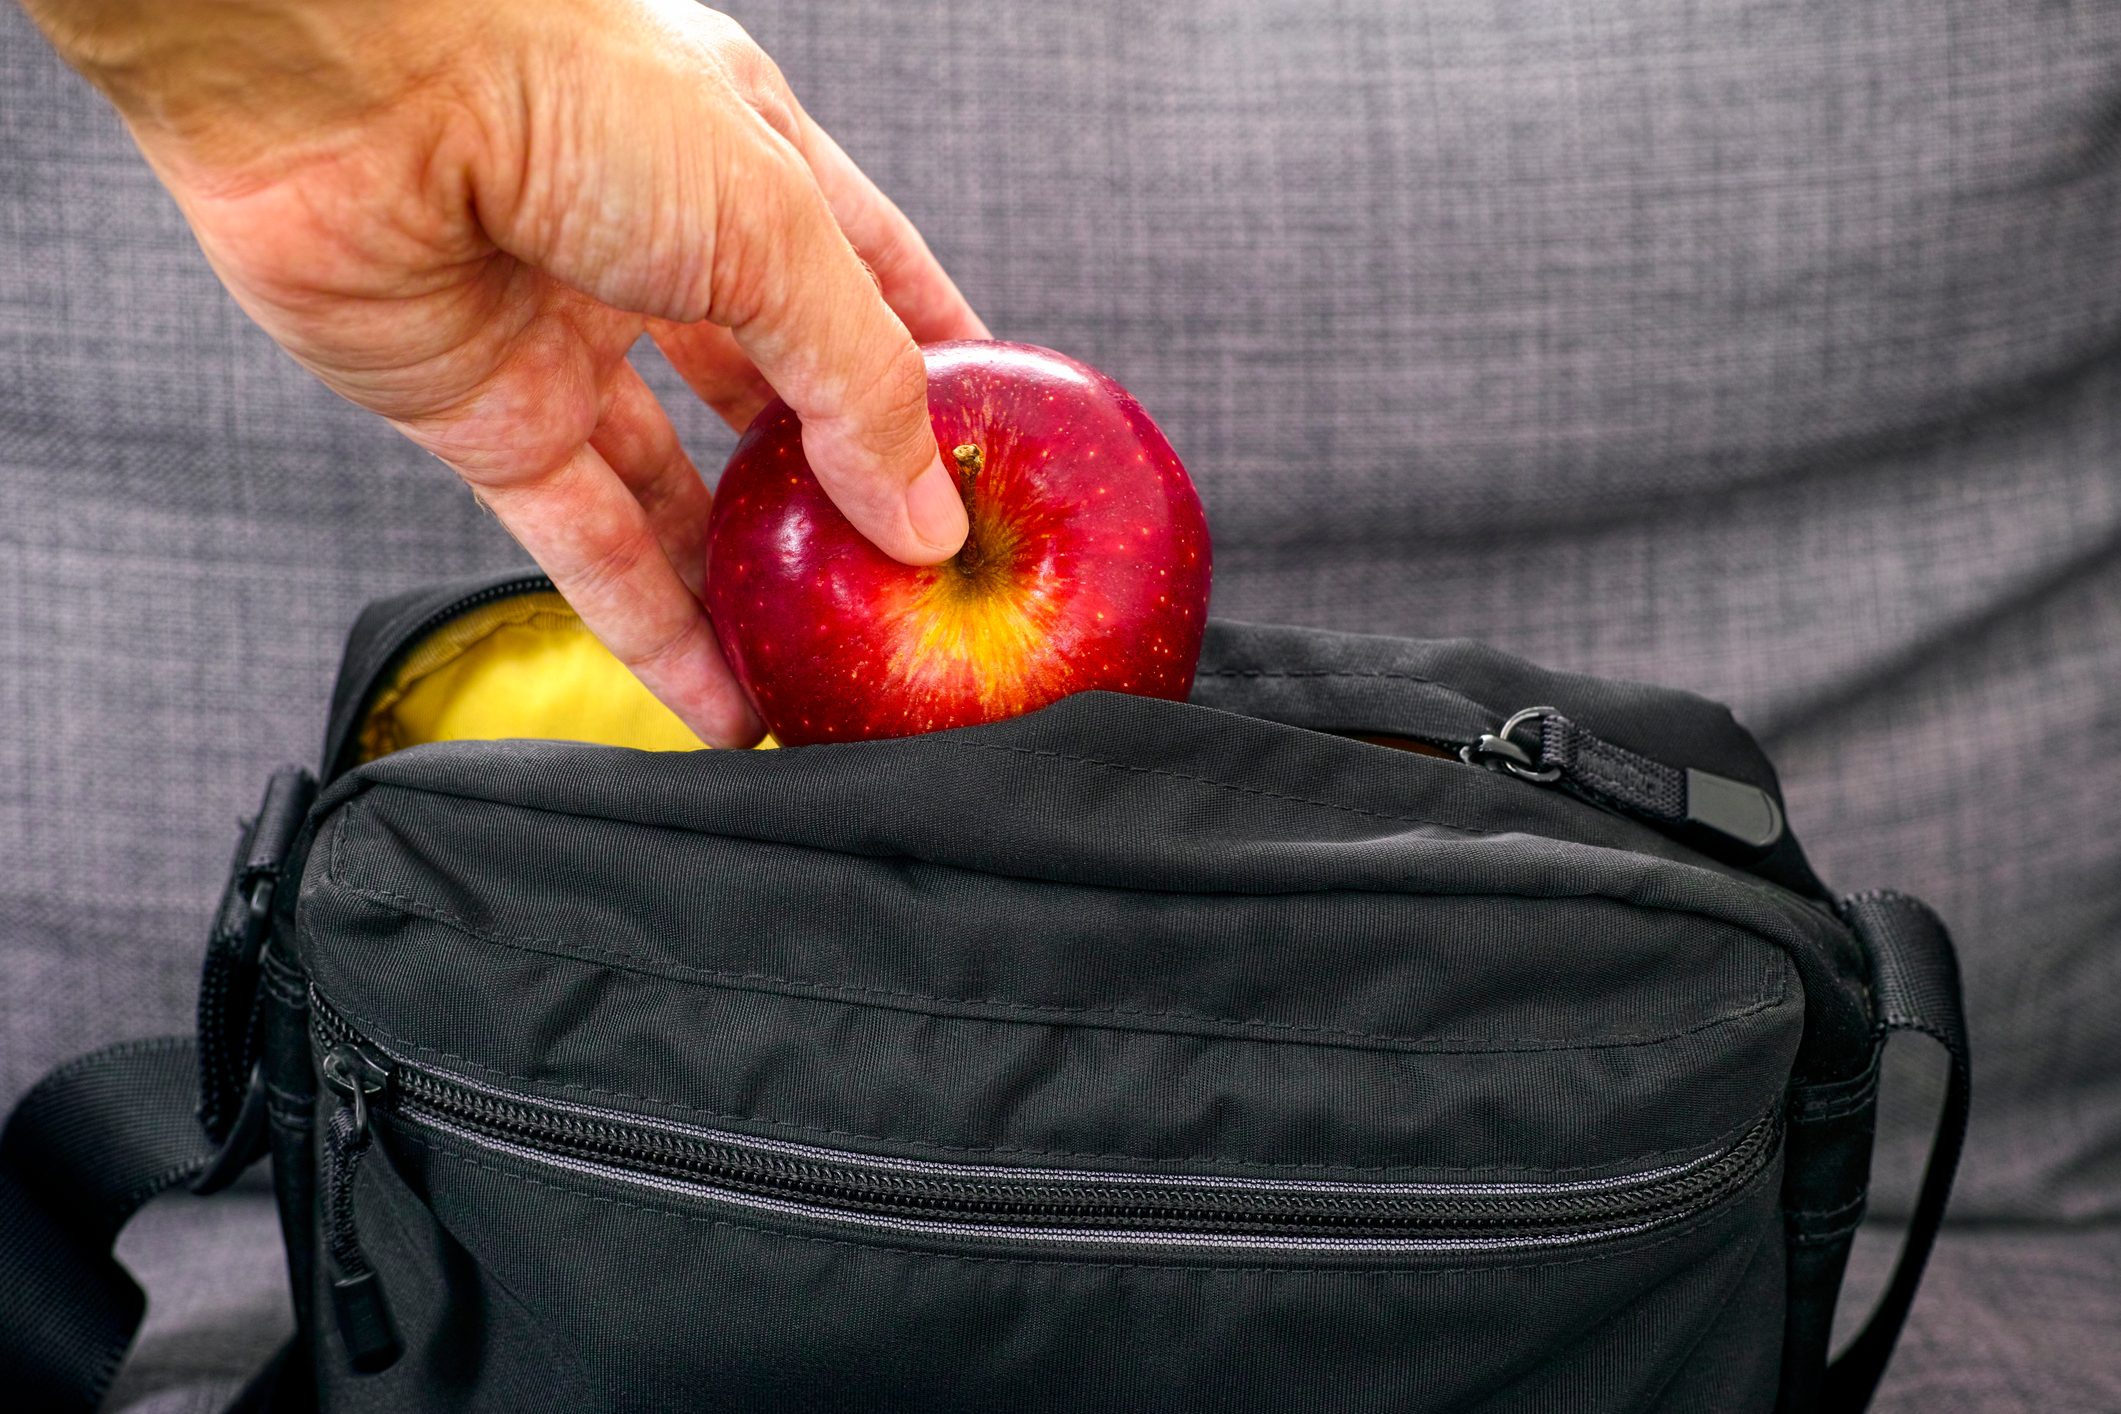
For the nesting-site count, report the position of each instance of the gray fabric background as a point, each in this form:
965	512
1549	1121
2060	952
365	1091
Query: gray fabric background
1771	348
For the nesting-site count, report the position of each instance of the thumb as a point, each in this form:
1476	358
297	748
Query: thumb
822	336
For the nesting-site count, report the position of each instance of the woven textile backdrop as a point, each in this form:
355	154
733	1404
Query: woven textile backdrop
1765	347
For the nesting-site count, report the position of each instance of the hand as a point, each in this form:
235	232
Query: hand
463	216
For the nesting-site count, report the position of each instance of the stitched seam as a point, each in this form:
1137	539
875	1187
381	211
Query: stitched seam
1805	1115
1865	895
1837	1109
377	1031
1839	1210
449	1151
1297	1033
1820	1239
1833	1099
1082	1017
1615	768
292	1097
1621	787
130	1201
289	1118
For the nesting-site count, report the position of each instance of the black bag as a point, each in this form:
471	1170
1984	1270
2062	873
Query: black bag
1129	1055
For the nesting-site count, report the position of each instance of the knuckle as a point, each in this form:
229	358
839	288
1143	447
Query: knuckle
671	646
751	73
778	112
733	61
756	233
891	411
607	569
895	259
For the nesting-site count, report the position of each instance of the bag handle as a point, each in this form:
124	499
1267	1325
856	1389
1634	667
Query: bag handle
1916	988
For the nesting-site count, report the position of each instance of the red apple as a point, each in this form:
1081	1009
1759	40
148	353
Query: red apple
1086	567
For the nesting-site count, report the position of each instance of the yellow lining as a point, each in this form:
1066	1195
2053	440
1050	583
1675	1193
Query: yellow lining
521	667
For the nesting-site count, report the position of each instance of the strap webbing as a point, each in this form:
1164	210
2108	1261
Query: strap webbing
1916	979
94	1140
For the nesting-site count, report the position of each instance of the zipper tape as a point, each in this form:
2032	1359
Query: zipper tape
1009	1203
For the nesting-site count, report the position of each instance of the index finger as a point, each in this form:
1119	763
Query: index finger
819	331
588	532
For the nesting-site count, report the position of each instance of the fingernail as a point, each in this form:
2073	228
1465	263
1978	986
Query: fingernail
936	510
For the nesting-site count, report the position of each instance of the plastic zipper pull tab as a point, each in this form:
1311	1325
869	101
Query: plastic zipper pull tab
357	1299
1669	797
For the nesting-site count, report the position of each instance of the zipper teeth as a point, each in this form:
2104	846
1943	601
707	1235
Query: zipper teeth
592	1125
1043	1232
1067	1205
529	582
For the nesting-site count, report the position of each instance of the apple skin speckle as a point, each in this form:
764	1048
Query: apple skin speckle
1076	582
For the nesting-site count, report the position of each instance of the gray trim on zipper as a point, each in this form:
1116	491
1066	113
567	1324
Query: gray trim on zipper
1122	1237
1090	1207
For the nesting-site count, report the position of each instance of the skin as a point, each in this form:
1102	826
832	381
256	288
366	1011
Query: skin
462	217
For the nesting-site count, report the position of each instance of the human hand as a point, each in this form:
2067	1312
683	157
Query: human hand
463	216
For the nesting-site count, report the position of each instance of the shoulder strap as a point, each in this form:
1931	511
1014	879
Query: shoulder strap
94	1140
1916	983
100	1135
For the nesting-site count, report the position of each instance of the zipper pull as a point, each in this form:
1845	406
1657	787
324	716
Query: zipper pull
356	1291
1669	797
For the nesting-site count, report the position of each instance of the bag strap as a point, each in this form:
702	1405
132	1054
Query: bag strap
1915	982
91	1142
100	1135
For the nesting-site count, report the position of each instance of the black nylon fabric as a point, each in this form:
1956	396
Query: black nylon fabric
561	1296
1040	1038
1455	689
1199	942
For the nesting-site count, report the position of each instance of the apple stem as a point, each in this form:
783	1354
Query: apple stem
970	461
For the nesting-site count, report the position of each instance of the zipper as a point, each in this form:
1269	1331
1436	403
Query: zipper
1672	799
1007	1203
530	582
356	1291
1676	800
